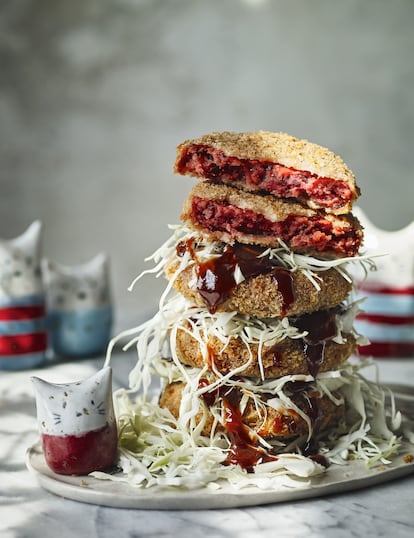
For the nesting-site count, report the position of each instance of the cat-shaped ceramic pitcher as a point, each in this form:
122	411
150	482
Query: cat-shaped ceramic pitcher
23	338
79	307
388	317
77	423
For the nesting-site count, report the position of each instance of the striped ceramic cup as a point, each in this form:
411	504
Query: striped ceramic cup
387	319
23	337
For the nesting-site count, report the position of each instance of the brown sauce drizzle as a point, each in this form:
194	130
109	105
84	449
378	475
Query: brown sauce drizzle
321	326
314	412
250	263
209	396
314	355
311	447
284	281
215	277
243	450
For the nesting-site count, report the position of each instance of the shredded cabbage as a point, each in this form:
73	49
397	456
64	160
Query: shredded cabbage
158	450
155	449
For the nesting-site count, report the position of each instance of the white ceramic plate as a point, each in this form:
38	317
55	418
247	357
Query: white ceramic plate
86	489
336	479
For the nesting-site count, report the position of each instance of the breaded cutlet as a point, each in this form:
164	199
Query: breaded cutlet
227	214
260	296
272	163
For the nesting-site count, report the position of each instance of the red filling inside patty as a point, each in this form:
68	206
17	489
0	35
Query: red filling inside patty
207	162
301	233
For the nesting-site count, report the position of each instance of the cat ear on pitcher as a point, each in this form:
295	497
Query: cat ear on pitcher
79	306
23	337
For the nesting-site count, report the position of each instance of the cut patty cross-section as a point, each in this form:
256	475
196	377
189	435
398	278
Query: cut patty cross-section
271	163
229	215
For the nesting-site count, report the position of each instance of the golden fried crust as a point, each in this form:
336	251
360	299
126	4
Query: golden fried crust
259	296
280	148
277	424
284	358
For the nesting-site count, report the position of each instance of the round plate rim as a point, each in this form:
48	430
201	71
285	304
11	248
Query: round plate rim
337	479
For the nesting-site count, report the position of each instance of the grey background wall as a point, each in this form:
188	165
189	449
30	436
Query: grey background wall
95	96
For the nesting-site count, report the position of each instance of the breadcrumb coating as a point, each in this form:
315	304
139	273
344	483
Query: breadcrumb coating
259	296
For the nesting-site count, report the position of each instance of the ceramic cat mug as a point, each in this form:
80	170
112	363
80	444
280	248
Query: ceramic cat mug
23	337
77	423
387	319
79	307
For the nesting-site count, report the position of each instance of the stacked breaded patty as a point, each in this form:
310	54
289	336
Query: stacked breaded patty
260	281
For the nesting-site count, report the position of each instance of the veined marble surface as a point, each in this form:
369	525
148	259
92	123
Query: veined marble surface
27	511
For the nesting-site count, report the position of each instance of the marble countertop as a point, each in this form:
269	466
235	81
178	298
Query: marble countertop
27	511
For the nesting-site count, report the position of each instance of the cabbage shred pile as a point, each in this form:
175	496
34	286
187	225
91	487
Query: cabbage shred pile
156	449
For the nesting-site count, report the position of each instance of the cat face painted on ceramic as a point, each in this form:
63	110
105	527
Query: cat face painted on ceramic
388	315
78	287
79	306
20	272
23	339
74	408
77	424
